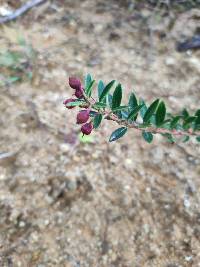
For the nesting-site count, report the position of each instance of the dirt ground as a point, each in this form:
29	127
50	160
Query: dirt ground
73	204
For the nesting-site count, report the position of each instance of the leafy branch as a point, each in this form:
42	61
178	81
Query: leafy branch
136	114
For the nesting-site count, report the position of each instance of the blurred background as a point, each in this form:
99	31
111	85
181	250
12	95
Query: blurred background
70	202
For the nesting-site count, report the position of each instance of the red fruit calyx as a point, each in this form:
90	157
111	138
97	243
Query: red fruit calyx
86	128
83	116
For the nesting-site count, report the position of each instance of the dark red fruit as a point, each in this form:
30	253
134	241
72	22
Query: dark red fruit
87	128
74	83
79	93
66	101
83	116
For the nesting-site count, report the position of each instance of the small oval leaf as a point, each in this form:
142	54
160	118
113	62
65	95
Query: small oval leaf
160	113
106	90
144	108
148	137
88	80
174	122
101	87
118	134
117	96
97	121
151	110
88	89
132	101
134	112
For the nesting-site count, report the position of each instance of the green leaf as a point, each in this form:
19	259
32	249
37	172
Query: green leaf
88	80
106	90
197	121
198	138
101	87
74	104
99	105
118	134
132	101
174	122
88	89
117	96
120	108
160	113
150	111
197	114
134	112
97	120
148	137
188	121
185	113
144	108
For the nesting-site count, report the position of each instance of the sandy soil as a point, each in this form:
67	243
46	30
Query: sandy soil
73	204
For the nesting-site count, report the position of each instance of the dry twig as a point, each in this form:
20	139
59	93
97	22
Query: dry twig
18	12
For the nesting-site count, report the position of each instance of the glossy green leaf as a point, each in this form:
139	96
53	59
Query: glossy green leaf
88	89
188	121
144	108
197	121
148	137
151	110
88	80
132	101
197	113
174	122
97	120
118	134
117	96
106	90
134	112
101	87
185	113
160	113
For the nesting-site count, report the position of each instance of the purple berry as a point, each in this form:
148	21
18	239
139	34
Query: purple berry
83	116
66	101
74	83
87	128
79	93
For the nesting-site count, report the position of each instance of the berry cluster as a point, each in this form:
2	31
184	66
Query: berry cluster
83	115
